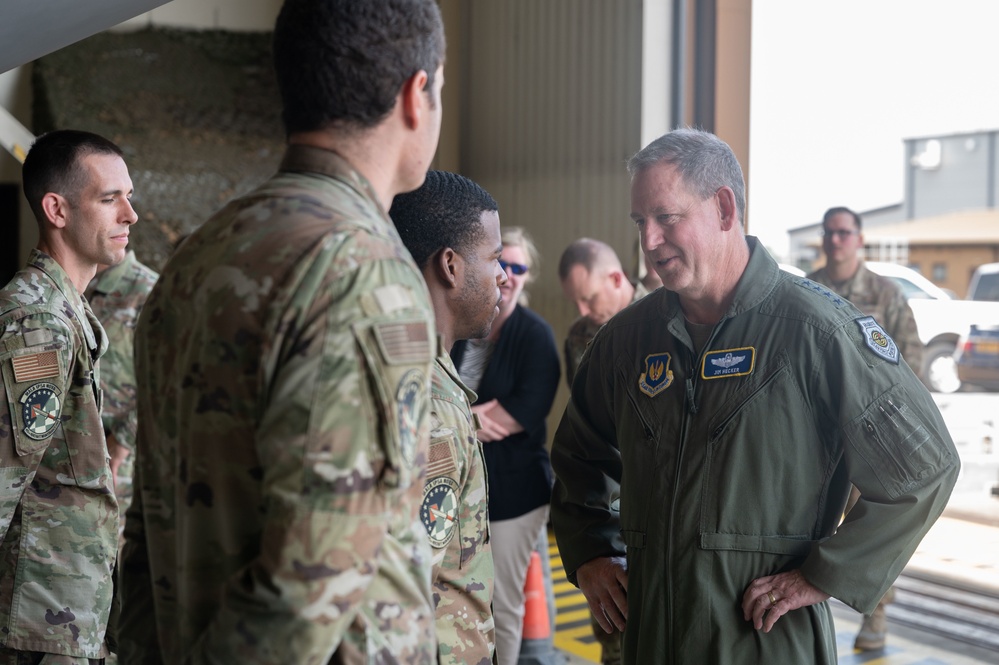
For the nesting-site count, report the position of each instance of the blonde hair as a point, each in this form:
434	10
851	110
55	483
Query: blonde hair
515	236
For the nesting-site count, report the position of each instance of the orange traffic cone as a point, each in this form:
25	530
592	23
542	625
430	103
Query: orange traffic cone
536	625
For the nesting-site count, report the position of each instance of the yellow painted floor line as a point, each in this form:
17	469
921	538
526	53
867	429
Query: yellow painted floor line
569	617
570	601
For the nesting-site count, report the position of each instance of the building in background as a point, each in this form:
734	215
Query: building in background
948	223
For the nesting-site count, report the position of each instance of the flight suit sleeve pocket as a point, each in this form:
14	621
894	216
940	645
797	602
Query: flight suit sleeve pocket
35	398
896	443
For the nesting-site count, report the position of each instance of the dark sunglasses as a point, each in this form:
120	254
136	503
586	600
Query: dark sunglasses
839	233
515	268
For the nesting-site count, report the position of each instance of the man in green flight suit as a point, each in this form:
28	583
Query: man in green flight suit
284	362
735	407
58	514
452	228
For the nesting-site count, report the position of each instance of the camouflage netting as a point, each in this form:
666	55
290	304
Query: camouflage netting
196	112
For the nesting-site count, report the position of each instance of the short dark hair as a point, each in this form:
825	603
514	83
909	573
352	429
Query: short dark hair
704	161
53	165
341	63
837	210
445	211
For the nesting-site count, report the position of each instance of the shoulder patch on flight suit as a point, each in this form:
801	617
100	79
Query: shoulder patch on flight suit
657	376
409	396
877	340
40	410
392	297
439	510
728	362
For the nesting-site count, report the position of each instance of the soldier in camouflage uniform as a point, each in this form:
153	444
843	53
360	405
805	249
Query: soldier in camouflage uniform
451	227
877	296
58	514
283	363
116	296
593	279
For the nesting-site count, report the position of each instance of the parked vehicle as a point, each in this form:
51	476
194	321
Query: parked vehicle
977	356
941	320
984	283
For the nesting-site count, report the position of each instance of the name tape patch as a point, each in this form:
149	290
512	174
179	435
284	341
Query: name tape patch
727	363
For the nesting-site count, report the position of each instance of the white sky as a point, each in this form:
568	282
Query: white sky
837	85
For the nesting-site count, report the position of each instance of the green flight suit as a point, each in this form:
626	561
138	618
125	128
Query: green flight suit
736	463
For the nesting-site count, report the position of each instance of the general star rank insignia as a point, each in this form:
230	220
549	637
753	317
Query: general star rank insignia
40	410
877	340
657	376
439	510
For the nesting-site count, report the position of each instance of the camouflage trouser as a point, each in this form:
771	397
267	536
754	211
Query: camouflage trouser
12	657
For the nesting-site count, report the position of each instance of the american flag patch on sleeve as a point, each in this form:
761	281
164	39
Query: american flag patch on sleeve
35	366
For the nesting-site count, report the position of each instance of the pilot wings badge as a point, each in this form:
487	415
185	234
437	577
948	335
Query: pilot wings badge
657	375
728	362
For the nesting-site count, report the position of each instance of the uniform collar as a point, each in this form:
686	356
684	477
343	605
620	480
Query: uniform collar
444	360
109	280
41	261
757	282
300	158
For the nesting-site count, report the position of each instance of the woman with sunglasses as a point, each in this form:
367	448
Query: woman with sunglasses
515	372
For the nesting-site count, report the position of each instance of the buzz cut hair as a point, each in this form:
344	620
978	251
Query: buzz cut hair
53	165
446	211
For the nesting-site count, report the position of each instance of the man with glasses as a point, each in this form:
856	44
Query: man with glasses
877	296
874	295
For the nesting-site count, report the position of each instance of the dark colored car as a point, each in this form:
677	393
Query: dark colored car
977	356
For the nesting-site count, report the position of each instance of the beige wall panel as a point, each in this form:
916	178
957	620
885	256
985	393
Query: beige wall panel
550	114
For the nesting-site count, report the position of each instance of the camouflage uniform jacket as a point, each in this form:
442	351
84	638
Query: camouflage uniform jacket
283	363
581	332
58	514
455	514
881	298
116	297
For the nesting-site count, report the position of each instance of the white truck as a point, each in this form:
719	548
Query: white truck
941	320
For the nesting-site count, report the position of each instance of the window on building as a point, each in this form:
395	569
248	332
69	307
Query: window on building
939	272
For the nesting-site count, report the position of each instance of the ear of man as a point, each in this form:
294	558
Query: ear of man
727	210
447	267
414	99
56	208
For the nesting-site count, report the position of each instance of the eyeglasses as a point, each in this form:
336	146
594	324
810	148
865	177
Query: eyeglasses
515	268
839	233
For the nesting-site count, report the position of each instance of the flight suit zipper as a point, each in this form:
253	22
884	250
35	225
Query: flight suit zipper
690	411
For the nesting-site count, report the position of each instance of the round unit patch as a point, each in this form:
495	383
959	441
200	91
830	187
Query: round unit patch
439	511
40	410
